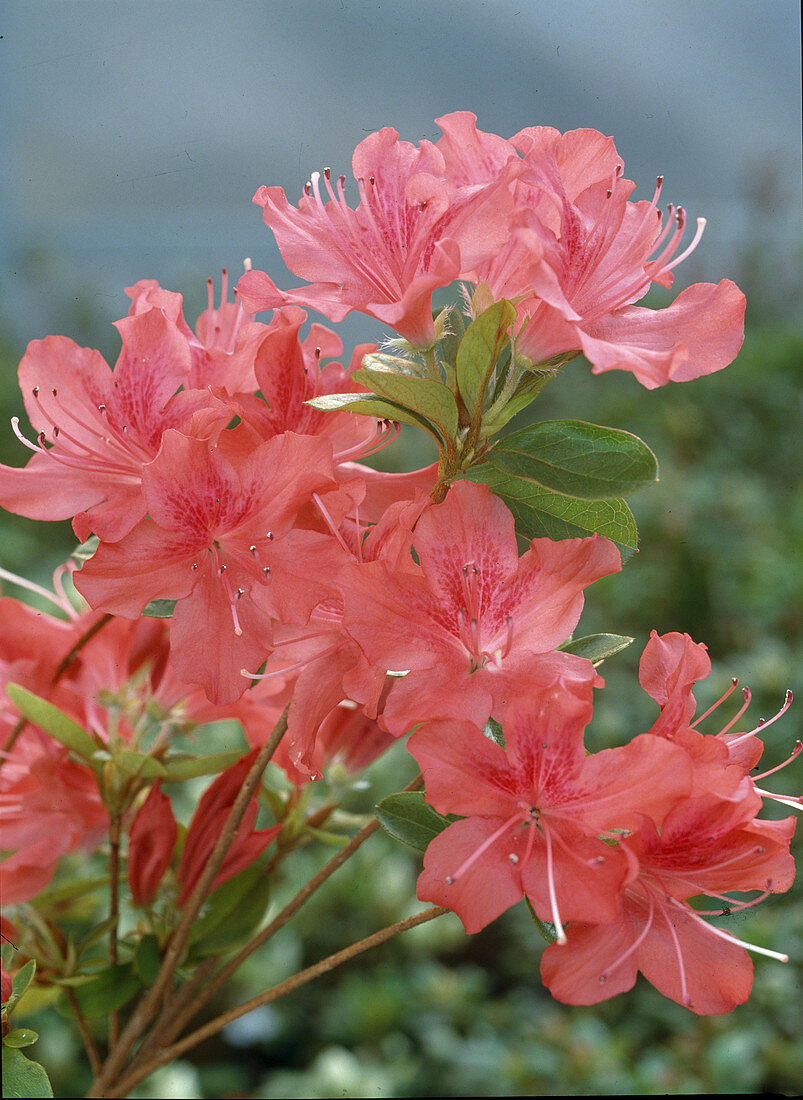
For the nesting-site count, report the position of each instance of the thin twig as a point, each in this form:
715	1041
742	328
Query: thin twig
146	1009
89	1042
282	989
279	921
114	915
164	1031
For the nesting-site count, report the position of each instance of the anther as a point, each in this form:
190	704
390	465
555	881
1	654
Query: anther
449	880
194	565
266	570
36	391
514	859
372	180
239	593
253	550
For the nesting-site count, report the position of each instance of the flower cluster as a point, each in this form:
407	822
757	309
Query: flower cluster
220	473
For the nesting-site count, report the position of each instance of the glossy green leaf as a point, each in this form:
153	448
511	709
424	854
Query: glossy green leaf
224	902
160	609
20	1037
577	459
369	404
107	991
479	350
140	764
547	930
424	396
21	980
22	1077
179	769
54	722
410	819
241	919
494	732
147	959
596	647
540	513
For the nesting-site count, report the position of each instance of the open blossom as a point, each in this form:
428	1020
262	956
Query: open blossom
212	518
97	428
413	230
584	254
533	812
705	846
474	623
225	341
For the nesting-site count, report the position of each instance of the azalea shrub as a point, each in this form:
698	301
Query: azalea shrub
240	562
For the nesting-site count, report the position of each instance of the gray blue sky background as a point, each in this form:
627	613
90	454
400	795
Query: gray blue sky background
135	133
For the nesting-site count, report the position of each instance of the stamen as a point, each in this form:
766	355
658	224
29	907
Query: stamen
739	713
792	756
511	821
727	935
290	668
23	582
330	523
553	900
634	946
713	707
684	991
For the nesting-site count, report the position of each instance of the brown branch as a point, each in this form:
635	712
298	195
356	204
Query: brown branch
146	1009
114	915
281	990
304	894
89	1042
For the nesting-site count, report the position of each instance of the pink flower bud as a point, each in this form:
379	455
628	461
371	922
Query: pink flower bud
151	841
208	822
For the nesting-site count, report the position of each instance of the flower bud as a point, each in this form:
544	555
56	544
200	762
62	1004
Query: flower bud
151	841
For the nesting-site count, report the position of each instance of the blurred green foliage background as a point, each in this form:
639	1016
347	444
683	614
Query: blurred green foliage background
437	1012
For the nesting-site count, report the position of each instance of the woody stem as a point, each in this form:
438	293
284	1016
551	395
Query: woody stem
190	1009
146	1009
280	990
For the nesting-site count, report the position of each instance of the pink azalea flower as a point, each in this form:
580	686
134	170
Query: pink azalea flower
96	429
670	666
533	812
705	846
225	341
474	623
584	254
414	230
211	521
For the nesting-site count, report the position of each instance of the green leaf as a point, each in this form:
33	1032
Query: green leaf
21	1037
528	388
424	396
540	513
494	732
225	901
576	459
242	918
410	819
140	764
54	722
596	647
22	1077
21	980
96	933
160	609
107	991
368	404
547	930
479	350
178	769
147	959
